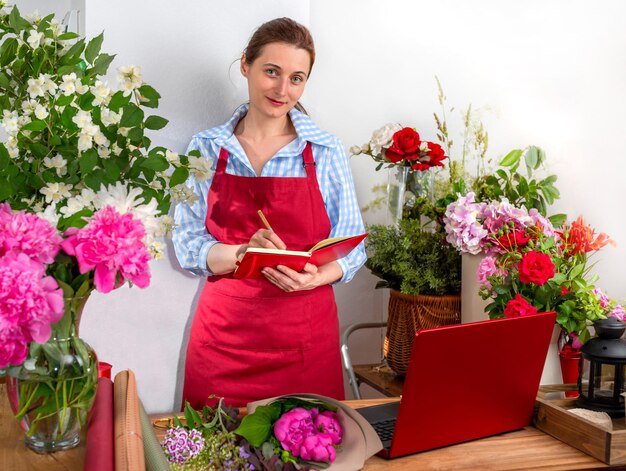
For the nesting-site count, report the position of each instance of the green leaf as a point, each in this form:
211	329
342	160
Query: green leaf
257	427
7	51
101	65
118	100
17	22
38	150
93	48
37	125
149	92
67	36
4	80
155	122
155	162
180	175
511	158
532	159
72	56
88	160
135	135
65	100
111	168
76	220
4	157
132	116
558	219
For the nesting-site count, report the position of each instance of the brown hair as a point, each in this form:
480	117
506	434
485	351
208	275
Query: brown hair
281	30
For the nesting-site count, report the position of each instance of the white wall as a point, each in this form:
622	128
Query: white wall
546	73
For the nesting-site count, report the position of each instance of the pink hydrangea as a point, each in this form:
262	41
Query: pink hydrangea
30	302
27	233
464	230
618	312
112	243
603	299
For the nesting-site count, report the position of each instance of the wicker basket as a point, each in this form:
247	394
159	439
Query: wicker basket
407	314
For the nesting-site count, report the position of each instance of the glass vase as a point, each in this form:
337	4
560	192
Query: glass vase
407	189
53	390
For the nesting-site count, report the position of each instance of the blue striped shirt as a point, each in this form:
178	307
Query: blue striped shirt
191	239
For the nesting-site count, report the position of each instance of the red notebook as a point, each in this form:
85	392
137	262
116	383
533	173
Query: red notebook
326	251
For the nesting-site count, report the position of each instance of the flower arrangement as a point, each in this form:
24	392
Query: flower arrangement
85	196
397	146
529	265
287	434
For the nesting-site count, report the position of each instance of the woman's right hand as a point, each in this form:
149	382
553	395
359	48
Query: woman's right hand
262	238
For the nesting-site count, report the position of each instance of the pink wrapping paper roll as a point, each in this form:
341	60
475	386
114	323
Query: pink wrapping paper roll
99	454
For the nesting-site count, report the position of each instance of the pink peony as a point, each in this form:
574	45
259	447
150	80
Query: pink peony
318	448
111	243
29	234
293	427
30	302
327	422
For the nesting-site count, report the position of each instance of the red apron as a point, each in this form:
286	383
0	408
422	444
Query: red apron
251	340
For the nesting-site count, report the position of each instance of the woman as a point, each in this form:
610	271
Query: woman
253	339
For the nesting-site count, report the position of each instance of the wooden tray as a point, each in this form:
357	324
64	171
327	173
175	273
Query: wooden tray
552	417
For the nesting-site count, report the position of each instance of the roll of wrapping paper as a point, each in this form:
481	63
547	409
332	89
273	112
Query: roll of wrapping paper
153	453
99	454
127	424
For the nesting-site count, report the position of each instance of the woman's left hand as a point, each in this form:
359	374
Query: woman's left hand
290	280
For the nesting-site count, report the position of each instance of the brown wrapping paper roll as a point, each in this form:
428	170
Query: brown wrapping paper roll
129	455
99	454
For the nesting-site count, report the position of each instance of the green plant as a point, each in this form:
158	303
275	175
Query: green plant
413	260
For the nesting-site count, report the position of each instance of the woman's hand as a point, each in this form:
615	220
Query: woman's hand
309	278
261	238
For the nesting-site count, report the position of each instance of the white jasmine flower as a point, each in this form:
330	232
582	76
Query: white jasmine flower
57	162
183	194
80	88
73	206
129	78
55	27
33	17
85	142
88	198
200	168
104	152
100	139
48	84
172	157
34	39
109	117
28	106
156	184
23	120
68	86
91	129
48	41
55	192
82	119
36	87
10	122
101	93
157	249
382	138
117	150
123	131
49	214
41	112
11	145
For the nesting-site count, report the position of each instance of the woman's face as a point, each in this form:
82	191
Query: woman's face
276	78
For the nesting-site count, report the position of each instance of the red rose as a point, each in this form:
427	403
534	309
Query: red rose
535	267
519	307
564	291
436	154
513	239
406	145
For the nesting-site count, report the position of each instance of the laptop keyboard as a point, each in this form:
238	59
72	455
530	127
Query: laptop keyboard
384	429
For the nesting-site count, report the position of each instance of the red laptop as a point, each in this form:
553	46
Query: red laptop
464	382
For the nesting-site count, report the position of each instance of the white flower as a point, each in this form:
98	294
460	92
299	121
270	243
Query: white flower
104	152
73	206
382	138
33	17
156	184
34	39
36	87
88	198
117	150
23	120
355	150
68	86
157	249
82	119
55	27
41	112
80	88
183	194
85	141
11	145
172	157
55	192
49	214
200	168
101	93
49	85
57	162
123	131
129	78
109	117
10	122
100	139
28	106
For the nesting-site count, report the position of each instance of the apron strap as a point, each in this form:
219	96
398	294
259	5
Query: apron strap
222	161
308	162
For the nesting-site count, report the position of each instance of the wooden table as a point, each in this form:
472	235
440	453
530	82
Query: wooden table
523	449
380	378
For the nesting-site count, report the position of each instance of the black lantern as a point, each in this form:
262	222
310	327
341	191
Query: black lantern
602	384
